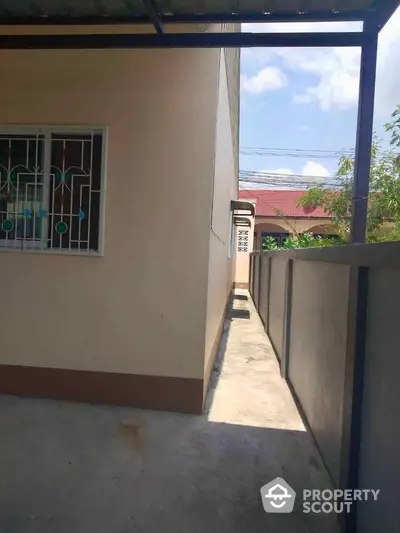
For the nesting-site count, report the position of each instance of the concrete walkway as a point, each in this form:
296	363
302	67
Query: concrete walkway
75	468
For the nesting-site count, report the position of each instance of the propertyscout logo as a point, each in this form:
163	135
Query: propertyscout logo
278	497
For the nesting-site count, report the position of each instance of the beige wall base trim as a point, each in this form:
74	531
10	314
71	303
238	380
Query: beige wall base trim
214	350
240	285
182	395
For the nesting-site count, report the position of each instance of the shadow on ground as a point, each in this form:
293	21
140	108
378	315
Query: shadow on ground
240	313
240	297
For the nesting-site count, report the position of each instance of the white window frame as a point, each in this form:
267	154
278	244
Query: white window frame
47	131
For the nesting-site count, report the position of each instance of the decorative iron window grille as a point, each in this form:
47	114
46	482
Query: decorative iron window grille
243	240
51	189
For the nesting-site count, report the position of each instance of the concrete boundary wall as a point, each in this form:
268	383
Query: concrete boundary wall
256	281
317	352
333	321
264	290
276	304
379	455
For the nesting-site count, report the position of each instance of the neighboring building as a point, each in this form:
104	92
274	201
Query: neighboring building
118	168
278	215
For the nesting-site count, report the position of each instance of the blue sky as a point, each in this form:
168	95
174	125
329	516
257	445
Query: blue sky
307	98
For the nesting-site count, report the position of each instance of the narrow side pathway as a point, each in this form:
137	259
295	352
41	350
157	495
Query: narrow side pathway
247	387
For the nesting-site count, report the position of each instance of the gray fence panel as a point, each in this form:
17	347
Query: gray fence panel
276	307
251	276
317	354
264	280
256	283
379	454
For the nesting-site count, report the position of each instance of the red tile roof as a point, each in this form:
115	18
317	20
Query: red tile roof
275	203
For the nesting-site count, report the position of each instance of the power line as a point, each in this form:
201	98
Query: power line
301	153
293	155
295	152
297	149
287	184
267	174
277	180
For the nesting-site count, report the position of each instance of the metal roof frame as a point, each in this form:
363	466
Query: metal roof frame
376	14
374	19
152	10
181	40
195	18
383	15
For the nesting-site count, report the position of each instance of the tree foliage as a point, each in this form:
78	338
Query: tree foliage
383	219
394	127
300	240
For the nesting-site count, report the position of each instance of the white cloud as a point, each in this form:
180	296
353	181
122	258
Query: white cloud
388	73
279	171
267	79
335	70
311	168
339	90
337	75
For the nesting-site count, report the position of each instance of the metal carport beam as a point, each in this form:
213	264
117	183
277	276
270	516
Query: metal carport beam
362	166
378	19
181	40
183	18
152	10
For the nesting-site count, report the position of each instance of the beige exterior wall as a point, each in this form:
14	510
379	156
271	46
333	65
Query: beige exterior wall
221	262
142	307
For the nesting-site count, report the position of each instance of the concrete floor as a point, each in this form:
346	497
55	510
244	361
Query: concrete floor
76	468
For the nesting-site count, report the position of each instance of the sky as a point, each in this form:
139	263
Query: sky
303	98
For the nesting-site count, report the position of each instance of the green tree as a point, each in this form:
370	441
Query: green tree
299	240
383	218
269	244
394	127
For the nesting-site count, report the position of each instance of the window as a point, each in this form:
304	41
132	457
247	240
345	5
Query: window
51	189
